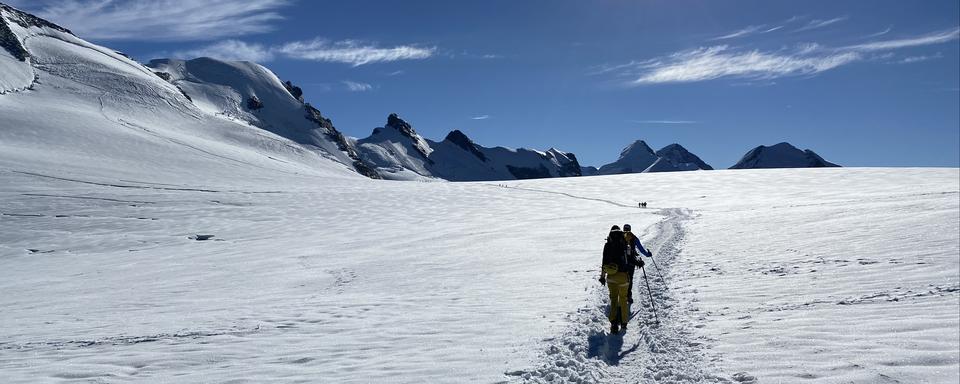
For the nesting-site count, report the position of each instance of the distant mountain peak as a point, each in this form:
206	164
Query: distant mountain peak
638	157
395	123
393	120
635	158
461	140
781	155
638	147
682	159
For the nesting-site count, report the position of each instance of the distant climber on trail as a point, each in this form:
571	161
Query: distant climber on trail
617	262
633	245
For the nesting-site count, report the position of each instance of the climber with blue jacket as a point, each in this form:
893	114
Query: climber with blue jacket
633	247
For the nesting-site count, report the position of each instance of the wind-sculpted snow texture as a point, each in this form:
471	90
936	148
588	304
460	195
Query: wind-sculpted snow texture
829	275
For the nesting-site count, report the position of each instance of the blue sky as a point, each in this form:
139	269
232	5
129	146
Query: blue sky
863	83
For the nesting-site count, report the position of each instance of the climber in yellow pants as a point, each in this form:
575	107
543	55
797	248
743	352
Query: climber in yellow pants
618	284
617	263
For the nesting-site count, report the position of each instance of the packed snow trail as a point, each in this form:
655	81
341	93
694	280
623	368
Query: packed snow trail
851	280
651	351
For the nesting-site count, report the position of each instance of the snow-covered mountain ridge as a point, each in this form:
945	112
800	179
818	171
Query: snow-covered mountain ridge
638	157
214	92
397	151
66	101
782	155
252	94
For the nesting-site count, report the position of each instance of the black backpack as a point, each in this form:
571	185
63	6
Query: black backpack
617	247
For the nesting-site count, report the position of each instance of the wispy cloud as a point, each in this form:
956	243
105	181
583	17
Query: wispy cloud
921	58
481	117
230	50
818	23
471	55
607	68
881	33
350	52
723	61
932	38
720	61
164	20
354	86
663	121
747	31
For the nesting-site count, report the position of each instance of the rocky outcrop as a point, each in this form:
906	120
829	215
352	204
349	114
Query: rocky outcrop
294	90
337	137
254	103
405	129
9	40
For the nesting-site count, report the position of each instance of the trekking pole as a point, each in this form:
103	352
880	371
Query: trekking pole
651	295
658	271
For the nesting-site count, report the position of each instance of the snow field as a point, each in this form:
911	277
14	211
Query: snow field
352	280
817	275
346	280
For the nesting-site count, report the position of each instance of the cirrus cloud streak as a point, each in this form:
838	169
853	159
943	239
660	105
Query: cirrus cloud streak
724	61
720	61
352	52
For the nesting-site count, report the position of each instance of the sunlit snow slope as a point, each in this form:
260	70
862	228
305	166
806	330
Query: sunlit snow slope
66	102
782	275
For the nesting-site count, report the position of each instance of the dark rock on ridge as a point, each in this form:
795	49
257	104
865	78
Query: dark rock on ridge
461	140
337	137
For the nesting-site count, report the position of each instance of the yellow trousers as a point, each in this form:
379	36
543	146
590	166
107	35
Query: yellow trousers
619	285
